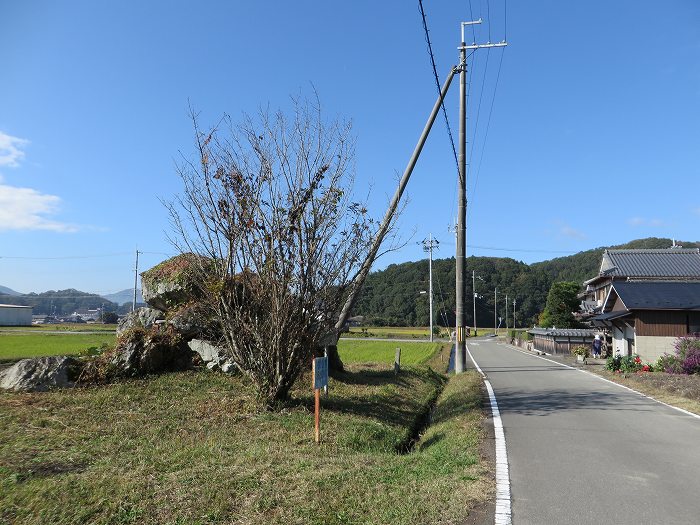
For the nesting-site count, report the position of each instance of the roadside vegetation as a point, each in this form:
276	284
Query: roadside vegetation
673	379
195	447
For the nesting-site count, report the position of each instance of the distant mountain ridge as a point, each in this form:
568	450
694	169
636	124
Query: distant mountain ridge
124	296
8	291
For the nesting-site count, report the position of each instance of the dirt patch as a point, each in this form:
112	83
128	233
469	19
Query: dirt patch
32	470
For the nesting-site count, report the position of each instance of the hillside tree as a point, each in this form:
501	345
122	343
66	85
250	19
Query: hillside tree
562	302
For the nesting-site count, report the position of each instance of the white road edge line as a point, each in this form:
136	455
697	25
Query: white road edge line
503	508
686	412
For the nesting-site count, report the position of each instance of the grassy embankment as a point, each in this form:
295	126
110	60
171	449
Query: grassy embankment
195	448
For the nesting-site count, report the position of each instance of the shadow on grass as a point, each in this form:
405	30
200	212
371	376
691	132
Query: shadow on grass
370	377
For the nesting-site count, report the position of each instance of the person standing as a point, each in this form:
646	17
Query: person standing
597	345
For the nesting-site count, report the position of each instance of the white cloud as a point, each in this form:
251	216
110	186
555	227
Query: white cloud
11	150
26	209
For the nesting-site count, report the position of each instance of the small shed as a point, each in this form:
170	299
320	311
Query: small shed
14	315
560	340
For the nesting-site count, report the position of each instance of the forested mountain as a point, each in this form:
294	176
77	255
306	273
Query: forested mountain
392	296
60	302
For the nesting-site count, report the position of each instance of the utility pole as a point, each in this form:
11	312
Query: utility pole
514	326
136	280
460	278
428	245
474	278
506	314
495	310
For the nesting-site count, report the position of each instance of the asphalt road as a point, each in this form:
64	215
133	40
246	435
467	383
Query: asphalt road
582	450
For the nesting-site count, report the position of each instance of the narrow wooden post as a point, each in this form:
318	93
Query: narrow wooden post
317	408
397	362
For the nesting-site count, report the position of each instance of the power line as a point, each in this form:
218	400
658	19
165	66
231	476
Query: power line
67	257
437	81
118	254
488	125
478	109
471	17
488	16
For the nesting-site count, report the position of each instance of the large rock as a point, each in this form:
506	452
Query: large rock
140	352
213	356
40	374
192	321
173	282
140	318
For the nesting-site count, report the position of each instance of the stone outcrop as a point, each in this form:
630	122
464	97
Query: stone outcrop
173	282
140	318
214	357
192	321
139	352
40	374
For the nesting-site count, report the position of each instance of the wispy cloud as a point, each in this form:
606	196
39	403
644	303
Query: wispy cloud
11	150
696	211
25	208
568	231
641	221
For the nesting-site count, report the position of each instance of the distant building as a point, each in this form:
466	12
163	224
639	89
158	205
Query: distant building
670	264
13	315
560	340
646	317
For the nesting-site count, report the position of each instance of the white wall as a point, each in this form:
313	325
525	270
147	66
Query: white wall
14	316
650	348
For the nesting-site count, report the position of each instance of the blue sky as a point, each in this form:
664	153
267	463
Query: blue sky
593	139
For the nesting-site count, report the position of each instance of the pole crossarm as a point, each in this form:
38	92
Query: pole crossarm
482	46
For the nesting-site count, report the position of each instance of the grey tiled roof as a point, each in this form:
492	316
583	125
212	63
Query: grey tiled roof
667	295
565	332
678	263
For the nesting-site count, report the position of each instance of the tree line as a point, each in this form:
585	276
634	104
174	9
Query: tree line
392	297
63	302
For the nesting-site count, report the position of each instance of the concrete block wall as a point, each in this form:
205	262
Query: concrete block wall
650	348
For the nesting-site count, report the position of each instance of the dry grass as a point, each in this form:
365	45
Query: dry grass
195	448
678	390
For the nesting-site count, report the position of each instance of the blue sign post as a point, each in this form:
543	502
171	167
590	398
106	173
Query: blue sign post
319	373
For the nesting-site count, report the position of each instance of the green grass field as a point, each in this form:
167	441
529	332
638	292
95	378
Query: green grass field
354	351
408	332
65	327
21	345
194	448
